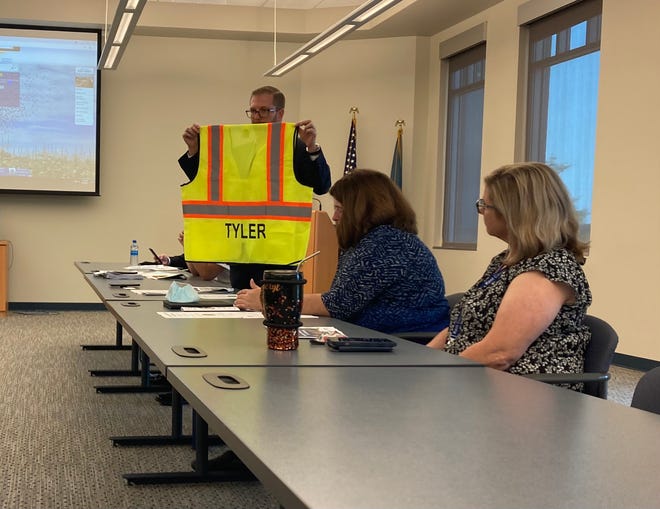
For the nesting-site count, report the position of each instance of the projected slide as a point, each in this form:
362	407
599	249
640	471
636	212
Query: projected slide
48	111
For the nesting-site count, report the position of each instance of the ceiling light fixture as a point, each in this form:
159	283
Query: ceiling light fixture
365	12
116	40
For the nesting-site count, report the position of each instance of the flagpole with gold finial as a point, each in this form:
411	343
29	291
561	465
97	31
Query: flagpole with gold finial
354	112
351	149
396	173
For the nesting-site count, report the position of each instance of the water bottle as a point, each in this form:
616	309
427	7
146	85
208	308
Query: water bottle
134	253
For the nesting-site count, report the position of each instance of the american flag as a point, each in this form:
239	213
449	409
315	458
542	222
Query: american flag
351	149
396	173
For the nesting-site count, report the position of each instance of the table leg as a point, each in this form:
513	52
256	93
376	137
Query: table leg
201	474
117	346
135	366
145	385
175	438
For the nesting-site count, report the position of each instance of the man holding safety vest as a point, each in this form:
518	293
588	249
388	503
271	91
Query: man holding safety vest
309	168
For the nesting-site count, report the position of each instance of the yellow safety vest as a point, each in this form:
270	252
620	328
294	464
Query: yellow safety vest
245	204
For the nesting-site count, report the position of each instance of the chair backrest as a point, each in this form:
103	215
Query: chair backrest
599	353
424	337
647	393
453	298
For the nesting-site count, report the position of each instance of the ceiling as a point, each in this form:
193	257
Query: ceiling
281	4
407	18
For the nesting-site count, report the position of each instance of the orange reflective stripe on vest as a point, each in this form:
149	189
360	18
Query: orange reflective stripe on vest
245	204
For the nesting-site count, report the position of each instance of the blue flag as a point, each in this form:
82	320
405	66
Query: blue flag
351	149
397	160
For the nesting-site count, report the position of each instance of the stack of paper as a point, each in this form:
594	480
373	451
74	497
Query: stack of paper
118	274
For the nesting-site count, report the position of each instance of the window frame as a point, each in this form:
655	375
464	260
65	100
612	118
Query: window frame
466	43
533	141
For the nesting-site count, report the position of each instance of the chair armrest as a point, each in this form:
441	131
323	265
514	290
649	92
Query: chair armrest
595	384
416	337
568	378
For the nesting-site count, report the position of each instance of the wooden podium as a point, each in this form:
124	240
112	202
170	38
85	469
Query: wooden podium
320	270
4	276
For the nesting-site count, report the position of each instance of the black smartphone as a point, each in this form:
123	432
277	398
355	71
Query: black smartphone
352	344
156	257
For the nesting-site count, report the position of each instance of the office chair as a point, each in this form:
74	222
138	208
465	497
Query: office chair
424	337
597	360
453	298
647	393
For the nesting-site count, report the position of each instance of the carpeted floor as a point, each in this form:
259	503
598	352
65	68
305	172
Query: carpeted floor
622	384
54	446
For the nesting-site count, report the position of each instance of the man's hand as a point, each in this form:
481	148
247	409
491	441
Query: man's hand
307	133
191	137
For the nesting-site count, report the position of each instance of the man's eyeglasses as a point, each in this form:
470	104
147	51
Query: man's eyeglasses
482	206
261	112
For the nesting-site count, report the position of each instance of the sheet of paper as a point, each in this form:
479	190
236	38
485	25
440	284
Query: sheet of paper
149	292
215	289
210	309
165	275
217	296
317	332
217	314
152	268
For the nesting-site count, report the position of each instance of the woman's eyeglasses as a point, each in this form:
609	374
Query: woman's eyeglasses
482	206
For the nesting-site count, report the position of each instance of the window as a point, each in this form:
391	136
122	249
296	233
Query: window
562	94
465	107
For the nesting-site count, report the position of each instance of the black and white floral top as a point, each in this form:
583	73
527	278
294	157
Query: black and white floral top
560	349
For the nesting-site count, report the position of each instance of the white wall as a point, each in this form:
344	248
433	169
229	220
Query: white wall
164	84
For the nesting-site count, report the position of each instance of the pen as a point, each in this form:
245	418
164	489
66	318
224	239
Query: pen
156	257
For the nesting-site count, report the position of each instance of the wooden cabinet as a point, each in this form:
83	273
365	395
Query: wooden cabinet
4	275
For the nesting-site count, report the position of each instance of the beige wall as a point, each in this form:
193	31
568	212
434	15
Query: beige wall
164	84
626	222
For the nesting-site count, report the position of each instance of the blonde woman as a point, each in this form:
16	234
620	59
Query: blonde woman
525	314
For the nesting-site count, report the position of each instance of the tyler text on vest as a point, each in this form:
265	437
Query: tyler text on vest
246	231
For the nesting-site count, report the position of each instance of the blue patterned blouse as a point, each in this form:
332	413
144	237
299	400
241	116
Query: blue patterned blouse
389	282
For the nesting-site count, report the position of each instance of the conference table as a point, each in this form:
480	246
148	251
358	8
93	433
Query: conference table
127	290
88	267
428	437
409	428
168	342
242	341
232	341
104	291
